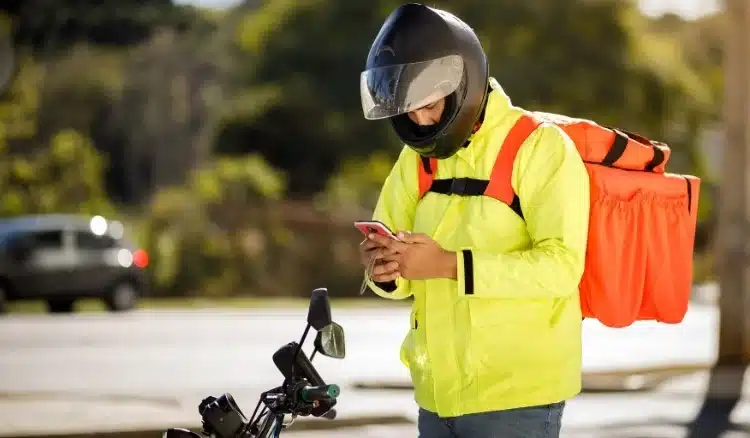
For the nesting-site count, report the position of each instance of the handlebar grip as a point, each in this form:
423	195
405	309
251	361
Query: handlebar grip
319	393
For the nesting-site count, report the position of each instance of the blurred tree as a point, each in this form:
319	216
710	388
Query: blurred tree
545	53
205	235
159	88
156	114
48	26
20	102
77	95
174	92
355	188
65	178
702	41
8	64
83	43
312	52
292	93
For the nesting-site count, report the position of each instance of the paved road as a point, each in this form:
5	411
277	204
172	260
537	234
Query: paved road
151	352
153	366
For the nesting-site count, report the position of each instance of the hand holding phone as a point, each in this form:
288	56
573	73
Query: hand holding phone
368	259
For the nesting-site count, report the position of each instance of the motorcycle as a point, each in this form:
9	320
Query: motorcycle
303	392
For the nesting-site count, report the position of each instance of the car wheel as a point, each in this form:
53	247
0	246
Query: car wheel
3	299
124	296
60	305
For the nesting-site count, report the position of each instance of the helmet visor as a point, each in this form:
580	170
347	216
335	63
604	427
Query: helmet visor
397	89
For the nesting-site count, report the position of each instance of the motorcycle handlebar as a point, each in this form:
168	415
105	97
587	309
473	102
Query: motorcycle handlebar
319	393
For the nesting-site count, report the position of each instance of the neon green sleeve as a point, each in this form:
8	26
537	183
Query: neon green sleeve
395	208
553	186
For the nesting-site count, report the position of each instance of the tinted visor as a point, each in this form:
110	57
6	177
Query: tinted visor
397	89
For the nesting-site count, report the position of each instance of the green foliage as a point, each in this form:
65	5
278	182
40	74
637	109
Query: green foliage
702	43
227	233
280	79
78	96
355	188
241	180
610	67
20	103
236	140
265	22
48	26
197	232
67	177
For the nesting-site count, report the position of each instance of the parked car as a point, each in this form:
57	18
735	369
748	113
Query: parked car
62	258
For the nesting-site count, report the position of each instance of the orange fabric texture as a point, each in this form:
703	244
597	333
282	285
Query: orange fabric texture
425	178
639	258
594	142
499	186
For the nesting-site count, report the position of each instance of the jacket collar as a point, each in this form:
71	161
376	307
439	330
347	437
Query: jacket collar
497	108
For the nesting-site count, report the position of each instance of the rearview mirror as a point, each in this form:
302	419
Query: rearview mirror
319	313
330	341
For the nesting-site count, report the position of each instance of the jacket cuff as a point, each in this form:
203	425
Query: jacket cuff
465	272
388	290
389	286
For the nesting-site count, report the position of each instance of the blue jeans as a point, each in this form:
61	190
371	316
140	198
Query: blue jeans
531	422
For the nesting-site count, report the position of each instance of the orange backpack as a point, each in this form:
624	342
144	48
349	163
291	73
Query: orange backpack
639	258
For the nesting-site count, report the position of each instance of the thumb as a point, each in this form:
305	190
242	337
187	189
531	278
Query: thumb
415	238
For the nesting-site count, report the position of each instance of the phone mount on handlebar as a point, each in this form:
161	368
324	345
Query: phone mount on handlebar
303	392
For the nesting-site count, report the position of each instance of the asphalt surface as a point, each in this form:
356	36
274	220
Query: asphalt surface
104	371
148	353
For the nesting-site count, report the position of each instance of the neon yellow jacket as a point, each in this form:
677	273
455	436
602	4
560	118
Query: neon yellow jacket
516	340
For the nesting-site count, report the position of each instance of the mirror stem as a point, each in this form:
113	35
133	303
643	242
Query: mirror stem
299	346
312	356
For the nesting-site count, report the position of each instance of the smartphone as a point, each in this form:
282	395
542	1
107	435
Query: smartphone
377	227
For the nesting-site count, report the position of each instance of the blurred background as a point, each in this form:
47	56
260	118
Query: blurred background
178	175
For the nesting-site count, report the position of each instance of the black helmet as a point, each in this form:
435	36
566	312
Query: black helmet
420	55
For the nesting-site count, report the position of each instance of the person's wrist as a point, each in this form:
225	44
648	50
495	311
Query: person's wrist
449	265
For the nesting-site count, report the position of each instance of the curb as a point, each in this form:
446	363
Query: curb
631	380
637	380
299	425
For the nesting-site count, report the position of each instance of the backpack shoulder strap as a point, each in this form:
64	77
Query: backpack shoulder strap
426	170
500	186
